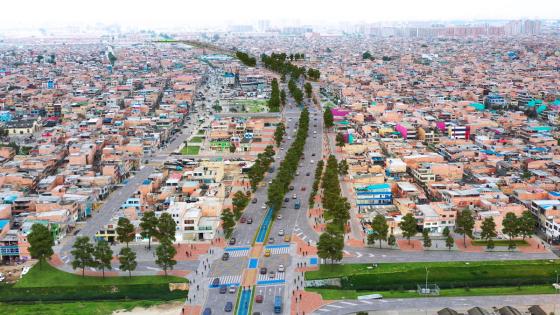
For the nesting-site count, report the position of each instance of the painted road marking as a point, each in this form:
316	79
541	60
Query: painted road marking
348	303
366	302
313	260
253	263
271	282
303	237
358	254
232	249
228	280
279	276
346	252
335	306
371	255
323	310
280	251
238	253
244	302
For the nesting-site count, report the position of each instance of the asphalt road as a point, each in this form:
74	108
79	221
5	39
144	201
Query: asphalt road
432	305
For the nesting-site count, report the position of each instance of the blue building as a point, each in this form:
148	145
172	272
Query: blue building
374	195
5	116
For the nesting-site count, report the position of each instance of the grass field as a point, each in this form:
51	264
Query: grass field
49	276
78	308
196	140
500	243
334	294
448	275
190	150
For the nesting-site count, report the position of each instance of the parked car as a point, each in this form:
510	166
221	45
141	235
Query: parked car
259	298
225	256
232	241
263	271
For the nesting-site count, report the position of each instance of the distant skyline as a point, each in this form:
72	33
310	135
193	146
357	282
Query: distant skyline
219	13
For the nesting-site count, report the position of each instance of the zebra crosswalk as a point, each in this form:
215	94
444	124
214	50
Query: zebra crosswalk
237	251
277	276
229	281
279	250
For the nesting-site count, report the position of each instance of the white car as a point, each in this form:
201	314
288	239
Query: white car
281	268
312	161
263	207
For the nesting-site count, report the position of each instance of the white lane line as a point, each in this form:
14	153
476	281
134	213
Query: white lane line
371	255
335	306
346	252
303	237
347	303
366	302
323	310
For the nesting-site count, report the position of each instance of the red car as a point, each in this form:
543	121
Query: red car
303	188
243	219
259	299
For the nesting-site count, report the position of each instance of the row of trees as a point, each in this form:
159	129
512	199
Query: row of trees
239	202
308	89
280	184
297	56
295	91
279	133
246	59
316	182
337	213
262	164
328	118
274	101
278	63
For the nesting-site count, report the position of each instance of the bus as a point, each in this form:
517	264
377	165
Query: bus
277	304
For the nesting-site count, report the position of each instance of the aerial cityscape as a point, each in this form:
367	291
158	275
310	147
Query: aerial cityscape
184	158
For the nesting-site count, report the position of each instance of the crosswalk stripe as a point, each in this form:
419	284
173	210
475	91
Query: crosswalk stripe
238	253
279	276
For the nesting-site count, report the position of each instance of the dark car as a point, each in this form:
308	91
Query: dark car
223	289
254	200
263	271
286	199
232	241
228	307
292	188
216	282
207	311
225	256
307	174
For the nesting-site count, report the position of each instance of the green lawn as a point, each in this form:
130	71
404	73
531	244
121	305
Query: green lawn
78	308
450	275
49	276
334	294
196	140
201	132
190	150
501	243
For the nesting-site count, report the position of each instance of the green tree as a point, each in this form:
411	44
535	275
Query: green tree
82	252
426	238
488	229
527	224
510	226
41	242
490	244
328	118
166	228
125	231
366	55
283	96
343	168
102	255
127	260
464	224
232	148
449	241
165	253
308	89
239	202
408	226
330	246
446	231
391	240
340	140
148	224
380	228
279	133
228	221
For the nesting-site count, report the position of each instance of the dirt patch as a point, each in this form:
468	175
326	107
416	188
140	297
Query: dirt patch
12	273
163	309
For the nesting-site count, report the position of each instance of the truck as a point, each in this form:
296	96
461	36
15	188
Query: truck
297	205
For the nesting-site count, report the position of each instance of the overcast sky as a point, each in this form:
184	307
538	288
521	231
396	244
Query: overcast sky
150	13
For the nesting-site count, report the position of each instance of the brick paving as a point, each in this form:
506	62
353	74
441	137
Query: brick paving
414	246
312	302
